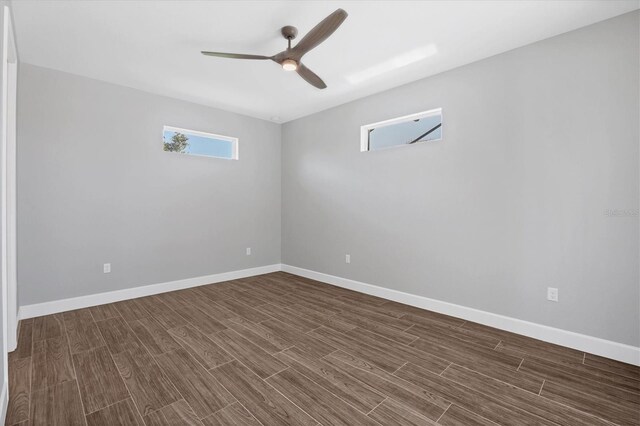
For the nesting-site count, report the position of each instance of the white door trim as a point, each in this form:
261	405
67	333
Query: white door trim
3	210
8	202
11	181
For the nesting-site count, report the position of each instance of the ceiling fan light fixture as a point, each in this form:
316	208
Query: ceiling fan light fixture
289	59
289	65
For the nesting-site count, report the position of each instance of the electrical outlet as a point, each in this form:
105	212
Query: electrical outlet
347	258
552	294
248	251
106	268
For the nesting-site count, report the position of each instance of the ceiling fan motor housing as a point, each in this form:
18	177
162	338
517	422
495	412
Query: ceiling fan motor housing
289	32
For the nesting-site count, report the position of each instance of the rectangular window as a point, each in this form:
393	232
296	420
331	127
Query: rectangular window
408	130
199	143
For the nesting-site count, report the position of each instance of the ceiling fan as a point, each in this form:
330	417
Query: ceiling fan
290	58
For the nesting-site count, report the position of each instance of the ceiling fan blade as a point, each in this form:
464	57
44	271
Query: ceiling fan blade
235	55
320	32
310	77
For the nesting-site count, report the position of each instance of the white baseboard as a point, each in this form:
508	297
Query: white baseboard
46	308
4	401
581	342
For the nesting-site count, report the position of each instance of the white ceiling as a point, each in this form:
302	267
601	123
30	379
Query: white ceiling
155	45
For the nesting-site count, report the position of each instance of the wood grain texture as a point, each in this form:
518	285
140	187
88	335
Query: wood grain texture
513	395
493	363
212	292
57	405
233	415
373	317
525	344
288	317
309	344
323	317
131	310
474	401
463	352
214	310
263	401
147	384
377	327
275	298
103	312
456	416
19	389
257	335
321	404
439	330
173	299
242	310
203	349
429	405
278	349
153	336
82	331
604	364
178	413
25	340
583	399
200	320
431	362
151	304
48	327
391	412
51	363
602	382
374	354
248	298
118	335
258	360
400	310
344	386
98	379
169	319
122	413
199	389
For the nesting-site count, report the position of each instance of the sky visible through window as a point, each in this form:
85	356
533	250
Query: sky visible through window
405	132
209	146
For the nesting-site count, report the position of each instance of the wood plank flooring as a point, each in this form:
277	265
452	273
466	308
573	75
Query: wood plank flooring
278	349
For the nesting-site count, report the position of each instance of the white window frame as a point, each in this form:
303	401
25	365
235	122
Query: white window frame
234	141
364	130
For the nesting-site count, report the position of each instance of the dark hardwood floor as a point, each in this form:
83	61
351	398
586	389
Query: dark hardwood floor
278	349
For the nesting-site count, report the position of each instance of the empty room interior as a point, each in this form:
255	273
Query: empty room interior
320	213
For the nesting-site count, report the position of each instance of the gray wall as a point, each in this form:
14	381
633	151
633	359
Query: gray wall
538	143
95	186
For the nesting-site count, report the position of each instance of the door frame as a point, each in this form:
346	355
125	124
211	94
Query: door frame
9	177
